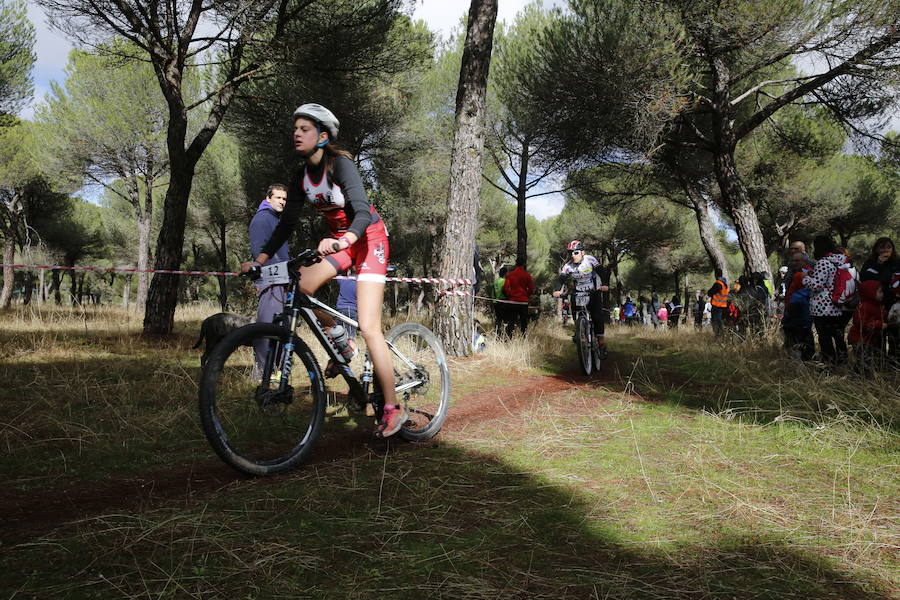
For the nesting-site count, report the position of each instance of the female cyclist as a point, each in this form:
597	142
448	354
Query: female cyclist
330	182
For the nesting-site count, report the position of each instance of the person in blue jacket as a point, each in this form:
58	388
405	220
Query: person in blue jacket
270	298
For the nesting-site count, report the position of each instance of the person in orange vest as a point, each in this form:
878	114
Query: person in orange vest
718	294
518	287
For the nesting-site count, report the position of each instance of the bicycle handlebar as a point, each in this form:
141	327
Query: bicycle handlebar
306	258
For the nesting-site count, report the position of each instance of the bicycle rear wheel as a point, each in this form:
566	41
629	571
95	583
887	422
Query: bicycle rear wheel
583	345
252	425
421	378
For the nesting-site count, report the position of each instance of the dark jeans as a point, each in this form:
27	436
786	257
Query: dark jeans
867	357
517	314
799	342
501	312
717	319
831	338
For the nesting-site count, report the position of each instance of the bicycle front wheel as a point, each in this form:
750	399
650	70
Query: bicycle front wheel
583	345
421	378
253	422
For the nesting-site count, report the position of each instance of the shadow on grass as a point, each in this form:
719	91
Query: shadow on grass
427	521
364	519
115	433
708	378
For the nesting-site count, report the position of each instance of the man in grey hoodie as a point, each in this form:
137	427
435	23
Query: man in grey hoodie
271	298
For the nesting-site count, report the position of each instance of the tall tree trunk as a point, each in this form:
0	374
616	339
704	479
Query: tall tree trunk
223	266
453	315
9	253
29	288
705	226
614	269
126	292
144	217
42	290
162	297
56	284
81	288
73	286
733	192
521	229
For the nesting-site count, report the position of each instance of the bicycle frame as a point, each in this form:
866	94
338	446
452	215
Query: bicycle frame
299	305
577	311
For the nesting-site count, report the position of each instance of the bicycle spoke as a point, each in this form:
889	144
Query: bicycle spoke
259	419
422	379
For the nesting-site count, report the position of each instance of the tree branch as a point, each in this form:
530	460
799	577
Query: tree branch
878	45
755	88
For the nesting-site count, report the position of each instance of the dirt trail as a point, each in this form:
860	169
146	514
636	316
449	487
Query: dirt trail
27	515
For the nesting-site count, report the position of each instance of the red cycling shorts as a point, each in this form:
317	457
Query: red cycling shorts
369	255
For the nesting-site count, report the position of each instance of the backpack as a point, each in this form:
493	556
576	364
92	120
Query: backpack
845	294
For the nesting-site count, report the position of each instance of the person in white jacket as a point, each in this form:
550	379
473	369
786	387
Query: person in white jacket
827	316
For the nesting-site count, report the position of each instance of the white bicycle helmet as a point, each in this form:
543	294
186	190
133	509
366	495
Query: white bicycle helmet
321	116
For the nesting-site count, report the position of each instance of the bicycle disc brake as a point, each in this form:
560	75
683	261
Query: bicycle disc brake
274	403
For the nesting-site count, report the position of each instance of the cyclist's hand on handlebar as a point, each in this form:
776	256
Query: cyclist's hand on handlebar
557	294
251	269
604	288
330	246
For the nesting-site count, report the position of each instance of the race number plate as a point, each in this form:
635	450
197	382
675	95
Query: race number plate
276	274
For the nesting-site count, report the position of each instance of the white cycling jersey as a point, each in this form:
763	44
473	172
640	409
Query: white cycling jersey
586	273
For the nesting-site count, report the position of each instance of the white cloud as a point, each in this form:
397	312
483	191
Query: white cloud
52	50
544	207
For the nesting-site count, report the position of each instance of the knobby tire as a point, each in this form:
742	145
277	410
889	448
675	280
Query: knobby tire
252	428
583	345
427	403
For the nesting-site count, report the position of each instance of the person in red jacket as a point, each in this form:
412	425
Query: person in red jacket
519	287
868	324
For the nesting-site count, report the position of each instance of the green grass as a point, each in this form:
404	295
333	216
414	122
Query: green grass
590	492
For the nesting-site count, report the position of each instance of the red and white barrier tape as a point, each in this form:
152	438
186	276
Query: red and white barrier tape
462	293
499	300
117	270
438	280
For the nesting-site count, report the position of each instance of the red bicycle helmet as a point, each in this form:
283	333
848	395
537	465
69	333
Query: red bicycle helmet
575	245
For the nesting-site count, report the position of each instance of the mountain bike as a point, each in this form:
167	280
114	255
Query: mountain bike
262	412
589	356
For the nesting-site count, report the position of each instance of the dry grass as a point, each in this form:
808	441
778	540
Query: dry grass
614	497
754	377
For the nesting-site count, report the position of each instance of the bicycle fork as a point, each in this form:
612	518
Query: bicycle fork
285	352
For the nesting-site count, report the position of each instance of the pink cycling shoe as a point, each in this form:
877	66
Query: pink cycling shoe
392	421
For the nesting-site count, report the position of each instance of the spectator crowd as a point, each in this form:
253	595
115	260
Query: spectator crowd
829	310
